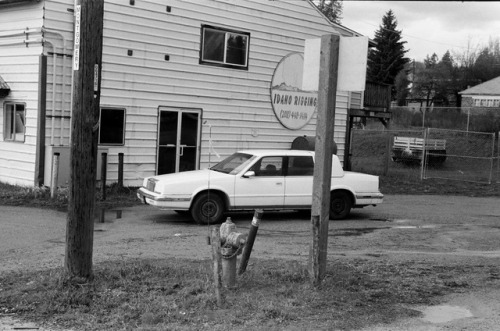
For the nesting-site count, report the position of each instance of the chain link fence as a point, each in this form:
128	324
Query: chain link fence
470	156
475	119
426	153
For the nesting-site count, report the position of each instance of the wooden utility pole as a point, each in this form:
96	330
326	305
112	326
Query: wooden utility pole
87	60
320	212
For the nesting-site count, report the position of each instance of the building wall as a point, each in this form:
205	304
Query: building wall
138	76
236	104
481	104
19	66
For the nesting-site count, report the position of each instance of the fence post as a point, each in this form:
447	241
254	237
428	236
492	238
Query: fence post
424	155
104	157
55	175
468	118
388	153
120	170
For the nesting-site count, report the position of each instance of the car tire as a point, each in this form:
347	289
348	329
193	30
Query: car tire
207	209
340	205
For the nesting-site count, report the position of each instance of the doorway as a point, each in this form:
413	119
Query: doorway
178	140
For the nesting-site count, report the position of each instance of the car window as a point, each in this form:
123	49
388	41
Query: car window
300	166
269	166
234	163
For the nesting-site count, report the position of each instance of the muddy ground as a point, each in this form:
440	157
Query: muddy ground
444	229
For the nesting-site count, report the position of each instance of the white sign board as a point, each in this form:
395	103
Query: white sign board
293	105
76	46
353	55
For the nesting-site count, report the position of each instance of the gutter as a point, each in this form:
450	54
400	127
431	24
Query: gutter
10	2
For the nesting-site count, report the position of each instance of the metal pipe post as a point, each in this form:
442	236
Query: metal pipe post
120	170
55	175
103	174
247	250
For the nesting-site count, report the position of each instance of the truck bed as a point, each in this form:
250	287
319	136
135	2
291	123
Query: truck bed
411	149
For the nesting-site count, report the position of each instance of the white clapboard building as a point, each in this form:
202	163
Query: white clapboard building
184	83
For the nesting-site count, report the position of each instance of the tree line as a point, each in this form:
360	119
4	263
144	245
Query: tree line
432	82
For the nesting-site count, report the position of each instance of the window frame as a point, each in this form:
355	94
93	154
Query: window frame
9	129
224	62
123	126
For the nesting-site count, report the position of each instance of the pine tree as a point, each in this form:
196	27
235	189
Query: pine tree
332	9
387	59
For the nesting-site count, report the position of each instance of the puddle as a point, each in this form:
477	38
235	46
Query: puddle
414	227
405	221
381	219
444	313
355	231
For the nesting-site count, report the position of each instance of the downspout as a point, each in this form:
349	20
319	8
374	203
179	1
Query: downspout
42	110
53	111
63	93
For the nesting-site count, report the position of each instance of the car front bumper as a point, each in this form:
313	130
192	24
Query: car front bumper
163	202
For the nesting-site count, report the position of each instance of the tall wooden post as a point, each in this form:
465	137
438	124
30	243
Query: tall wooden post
320	212
87	60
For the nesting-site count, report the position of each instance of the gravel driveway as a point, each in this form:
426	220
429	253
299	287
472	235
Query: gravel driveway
436	227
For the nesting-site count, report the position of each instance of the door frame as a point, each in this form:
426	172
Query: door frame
179	110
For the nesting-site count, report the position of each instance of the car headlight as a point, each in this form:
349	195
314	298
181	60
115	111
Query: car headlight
151	184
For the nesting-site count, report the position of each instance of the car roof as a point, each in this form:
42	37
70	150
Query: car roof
277	152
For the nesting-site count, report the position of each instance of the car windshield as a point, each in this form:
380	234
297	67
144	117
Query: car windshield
234	163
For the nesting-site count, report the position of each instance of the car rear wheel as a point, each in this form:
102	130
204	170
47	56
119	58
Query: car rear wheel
207	209
340	205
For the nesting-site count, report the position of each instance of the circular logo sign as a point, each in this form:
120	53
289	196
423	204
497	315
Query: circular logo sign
293	106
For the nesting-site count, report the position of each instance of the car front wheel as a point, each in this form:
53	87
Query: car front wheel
340	205
207	209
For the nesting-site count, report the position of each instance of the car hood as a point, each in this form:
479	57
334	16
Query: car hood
190	176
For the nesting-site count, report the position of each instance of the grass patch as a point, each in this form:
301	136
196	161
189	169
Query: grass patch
40	197
178	294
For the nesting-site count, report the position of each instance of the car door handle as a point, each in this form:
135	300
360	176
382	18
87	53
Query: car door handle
279	183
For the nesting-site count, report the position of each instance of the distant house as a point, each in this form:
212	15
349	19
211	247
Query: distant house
178	77
483	97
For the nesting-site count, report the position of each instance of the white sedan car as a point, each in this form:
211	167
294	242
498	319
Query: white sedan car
263	179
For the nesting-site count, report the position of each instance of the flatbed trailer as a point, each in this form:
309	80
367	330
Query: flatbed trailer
411	149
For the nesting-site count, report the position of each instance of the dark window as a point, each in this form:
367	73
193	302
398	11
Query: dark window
300	166
14	125
112	126
226	48
269	166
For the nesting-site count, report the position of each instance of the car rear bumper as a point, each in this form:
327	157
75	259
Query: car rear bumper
366	199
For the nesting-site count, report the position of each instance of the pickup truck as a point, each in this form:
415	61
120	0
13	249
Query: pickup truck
263	179
410	149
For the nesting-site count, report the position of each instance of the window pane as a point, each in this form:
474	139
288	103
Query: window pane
9	111
19	119
111	128
269	166
236	49
213	45
300	166
15	122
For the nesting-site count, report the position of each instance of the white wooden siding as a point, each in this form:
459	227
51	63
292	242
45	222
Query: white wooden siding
236	103
19	67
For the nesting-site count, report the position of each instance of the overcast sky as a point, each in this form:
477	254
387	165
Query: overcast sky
429	26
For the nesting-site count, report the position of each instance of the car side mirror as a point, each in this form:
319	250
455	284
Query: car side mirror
249	174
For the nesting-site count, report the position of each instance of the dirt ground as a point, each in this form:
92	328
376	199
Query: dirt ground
436	228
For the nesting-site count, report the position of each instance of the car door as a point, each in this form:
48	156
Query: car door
299	181
265	189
